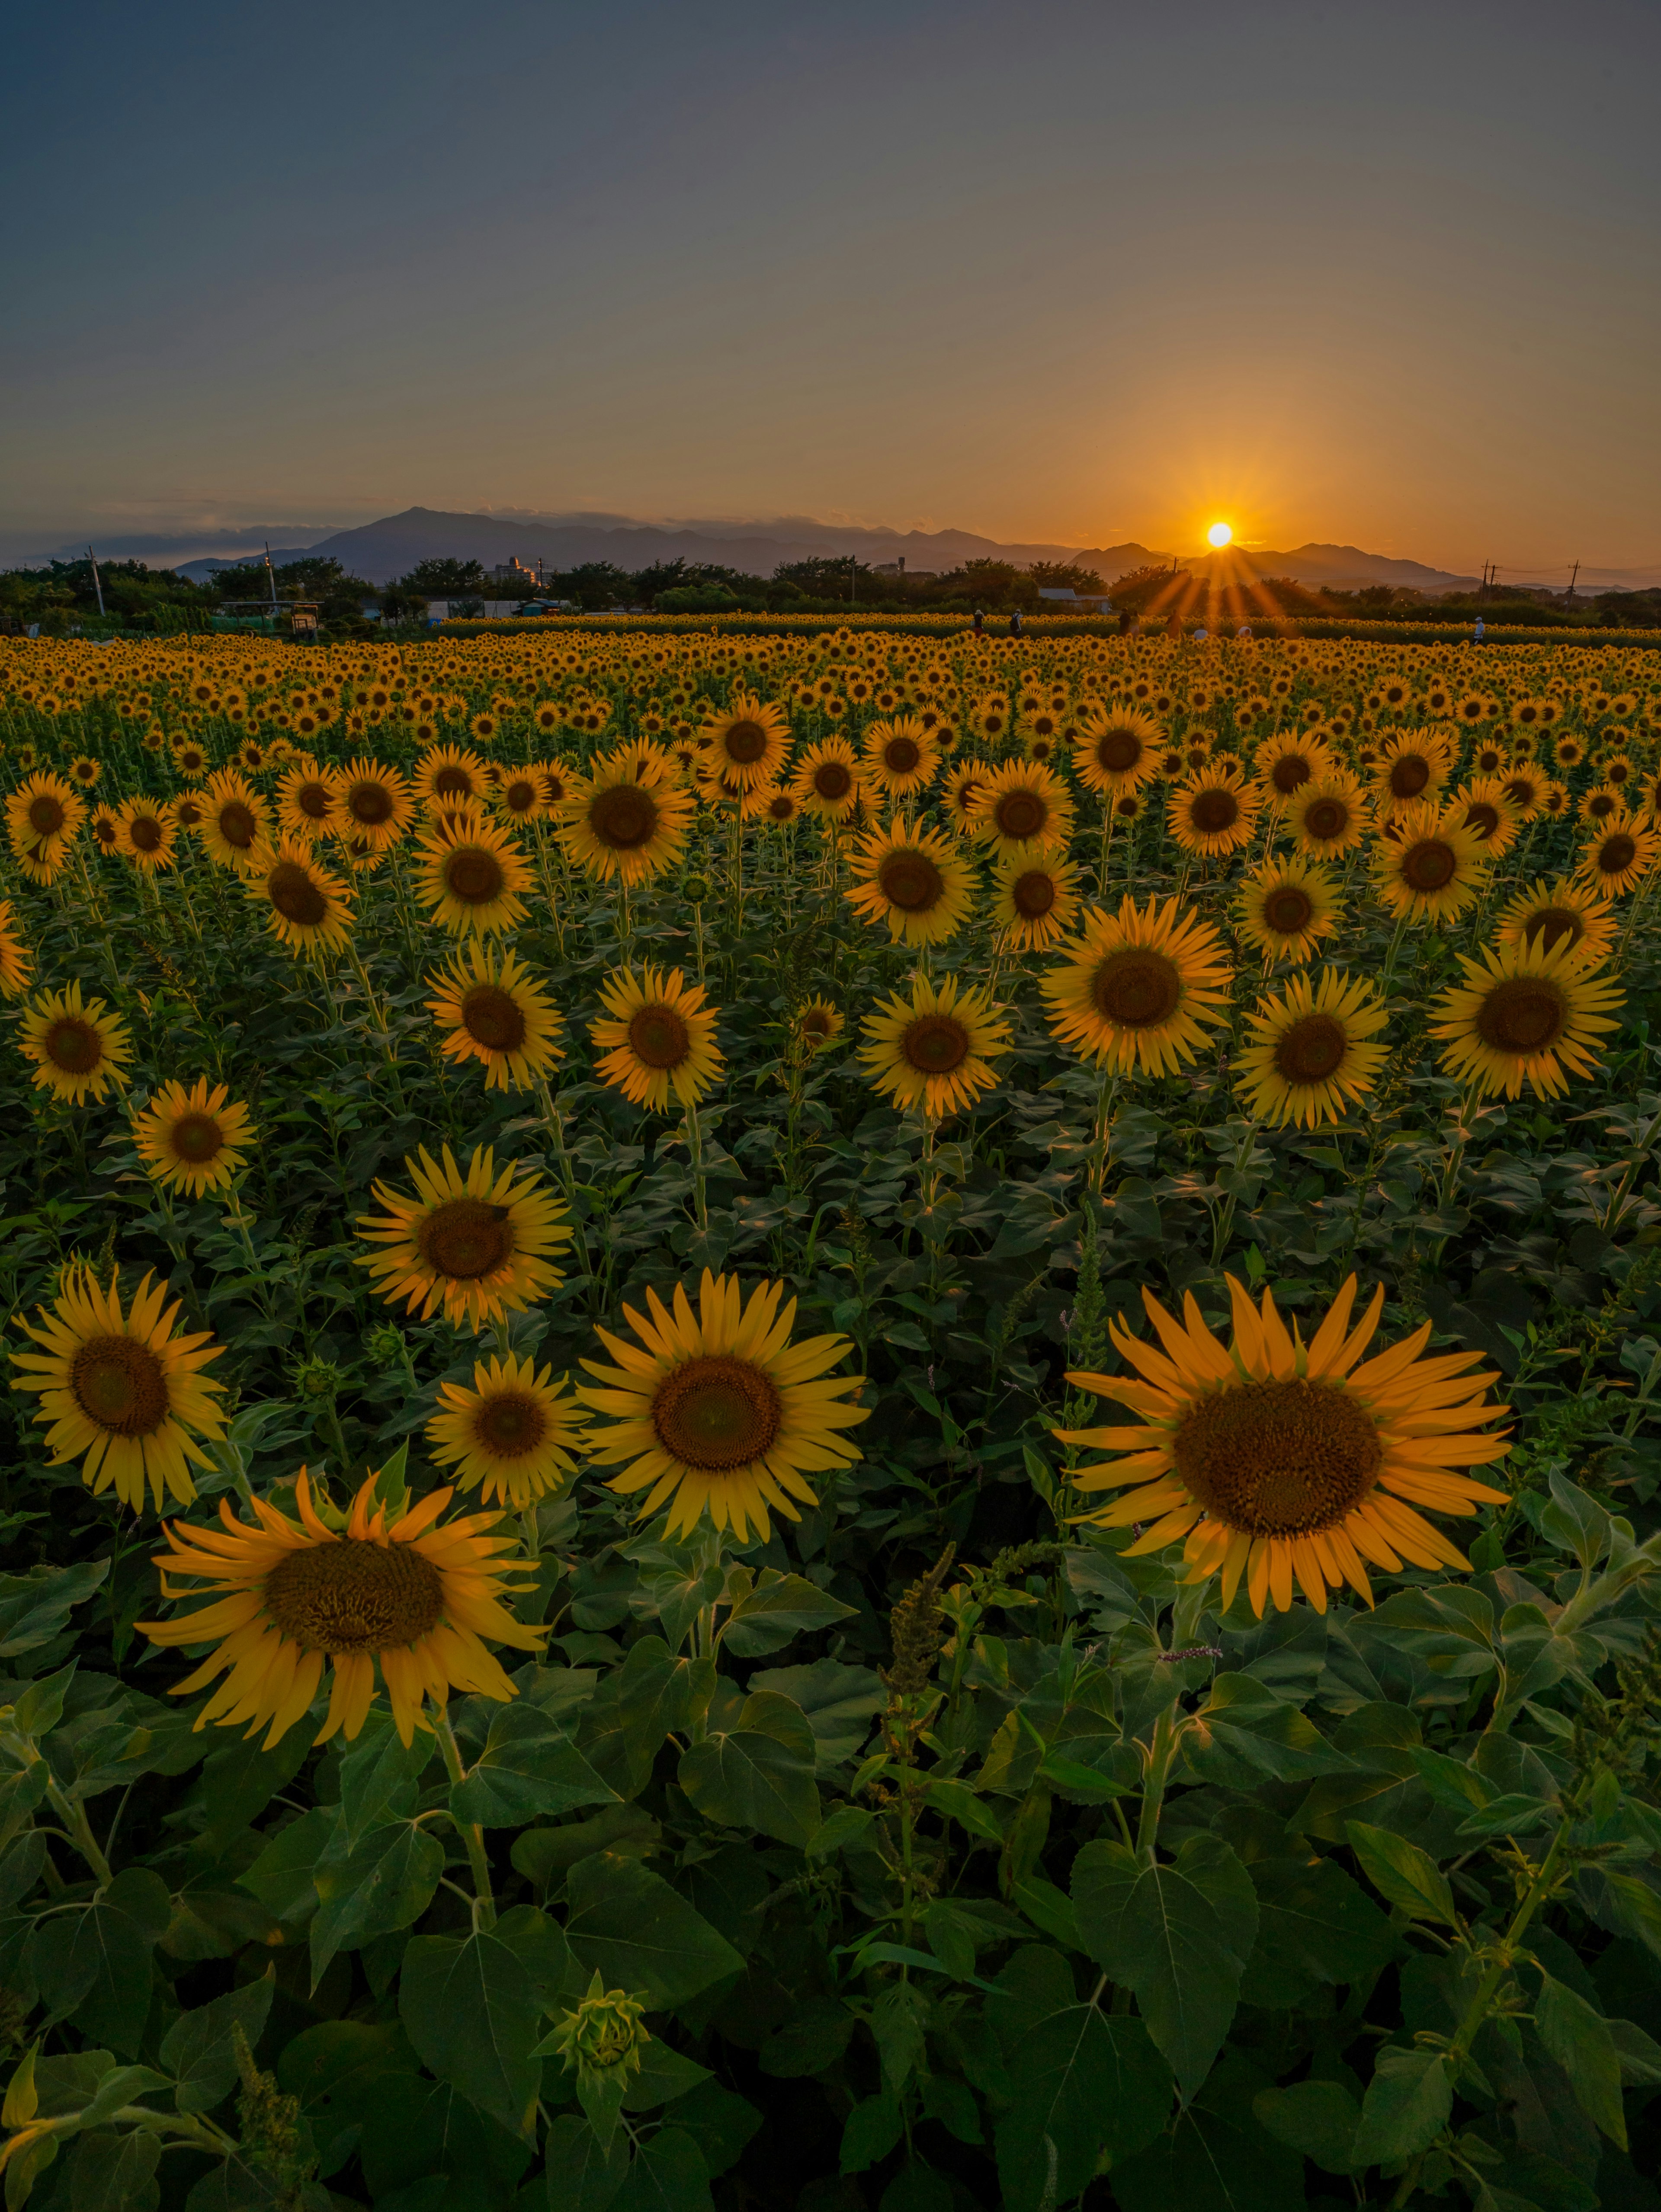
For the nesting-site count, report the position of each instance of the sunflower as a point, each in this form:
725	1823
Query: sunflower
472	876
778	808
915	881
1570	751
818	1024
105	827
659	1037
1136	987
899	756
309	800
309	908
1560	913
475	1246
1525	1015
1034	899
1526	788
1431	866
193	1140
933	1051
963	788
718	1410
84	771
122	1393
232	824
42	817
522	793
1118	749
374	803
826	781
447	774
16	961
78	1050
1287	908
147	834
1286	763
1022	809
1283	1461
613	825
514	1431
1213	812
750	741
1489	813
1622	852
1308	1057
491	1008
1414	767
190	756
418	1595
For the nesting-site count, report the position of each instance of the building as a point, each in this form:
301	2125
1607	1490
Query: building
515	572
1063	600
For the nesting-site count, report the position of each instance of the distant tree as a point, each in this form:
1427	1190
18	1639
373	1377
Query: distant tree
696	599
593	585
1064	576
1144	588
445	579
828	576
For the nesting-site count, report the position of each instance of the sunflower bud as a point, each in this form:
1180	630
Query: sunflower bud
318	1378
696	889
602	2038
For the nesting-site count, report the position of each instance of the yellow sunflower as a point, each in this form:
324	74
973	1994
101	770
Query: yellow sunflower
1620	856
473	877
1118	749
717	1410
521	794
1136	987
913	880
43	816
122	1393
750	741
933	1050
1035	899
1308	1057
1525	1015
193	1140
1560	913
232	824
310	908
827	780
78	1049
818	1024
613	825
657	1035
190	756
1022	809
447	774
147	834
491	1008
104	827
1328	816
475	1246
375	804
1280	1461
1525	786
515	1431
963	788
309	800
899	756
417	1595
1431	866
1414	767
1213	812
1287	908
16	961
1285	765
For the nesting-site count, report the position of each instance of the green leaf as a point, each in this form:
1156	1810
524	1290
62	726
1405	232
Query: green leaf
777	1610
1513	1815
1318	2118
1218	2158
197	2048
810	2041
239	1780
1177	1935
281	1877
115	2172
839	1702
658	1695
1316	1926
1579	2038
959	1802
668	2175
21	1791
1640	2055
842	1830
40	1707
1408	2102
869	2133
468	2005
760	1777
639	1934
1050	1909
35	1606
92	1963
546	1856
1245	1735
584	2174
720	2122
382	1884
379	1778
1402	1872
529	1766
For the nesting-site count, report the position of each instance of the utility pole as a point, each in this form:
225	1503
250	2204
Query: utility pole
96	585
853	577
1573	572
270	578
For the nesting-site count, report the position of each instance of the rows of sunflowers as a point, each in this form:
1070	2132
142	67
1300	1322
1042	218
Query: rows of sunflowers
839	1421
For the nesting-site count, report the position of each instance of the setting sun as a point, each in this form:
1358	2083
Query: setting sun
1218	534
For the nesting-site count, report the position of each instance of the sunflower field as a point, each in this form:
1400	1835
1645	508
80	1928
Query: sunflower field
831	1421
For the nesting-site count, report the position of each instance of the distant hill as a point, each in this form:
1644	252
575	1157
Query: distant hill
1337	568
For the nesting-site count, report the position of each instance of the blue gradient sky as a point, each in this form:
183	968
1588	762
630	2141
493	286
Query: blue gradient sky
1080	272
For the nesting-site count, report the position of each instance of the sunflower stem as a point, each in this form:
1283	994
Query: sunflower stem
695	1147
484	1902
78	1828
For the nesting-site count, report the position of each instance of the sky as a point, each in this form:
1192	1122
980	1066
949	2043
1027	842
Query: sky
1072	270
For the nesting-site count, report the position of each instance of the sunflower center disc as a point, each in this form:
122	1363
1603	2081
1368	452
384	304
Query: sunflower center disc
1137	989
936	1044
119	1384
1326	819
901	755
745	742
521	796
237	825
453	783
294	895
1519	791
1429	865
1311	1049
1554	925
493	1019
911	881
512	1423
1617	854
659	1036
1213	812
370	804
465	1238
74	1046
474	877
146	833
717	1412
1288	772
1021	815
196	1138
1408	776
1278	1459
831	780
354	1596
47	816
1523	1014
622	817
1288	910
1033	894
816	1026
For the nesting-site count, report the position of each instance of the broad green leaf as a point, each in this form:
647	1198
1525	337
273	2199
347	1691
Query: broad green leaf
1402	1872
468	2005
40	1707
870	2132
1408	2102
21	1791
1050	1909
659	1695
1178	1935
775	1611
719	2122
844	1829
760	1776
640	1934
1217	2158
281	1877
1316	1926
215	1924
899	2027
664	2073
379	1778
92	1963
1640	2055
1513	1815
958	1802
1245	1735
197	2048
546	1856
839	1702
1318	2118
384	1884
115	2171
668	2175
239	1779
583	2174
35	1606
1579	2038
810	2041
529	1766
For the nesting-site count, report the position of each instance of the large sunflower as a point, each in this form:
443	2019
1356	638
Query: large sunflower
750	741
611	824
1328	816
1213	812
78	1049
1287	908
1564	912
1280	1461
1118	749
1136	987
1620	855
310	908
515	1431
472	876
899	756
43	815
447	775
718	1409
375	803
827	780
122	1393
232	824
417	1595
963	788
474	1246
1285	765
1431	866
657	1035
16	961
1489	813
1308	1056
915	881
1020	809
1035	900
147	834
1414	767
309	800
193	1140
1525	1015
933	1050
490	1007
